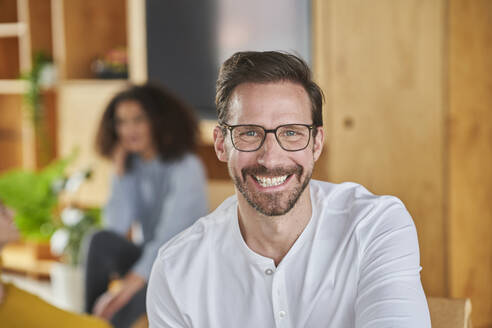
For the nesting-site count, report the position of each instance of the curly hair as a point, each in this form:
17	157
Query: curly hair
173	123
265	67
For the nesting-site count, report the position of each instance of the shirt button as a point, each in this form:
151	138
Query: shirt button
269	272
282	314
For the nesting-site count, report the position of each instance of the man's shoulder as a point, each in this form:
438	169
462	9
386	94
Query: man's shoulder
346	195
205	230
359	205
352	209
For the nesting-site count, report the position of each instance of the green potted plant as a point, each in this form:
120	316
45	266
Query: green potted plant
33	195
45	224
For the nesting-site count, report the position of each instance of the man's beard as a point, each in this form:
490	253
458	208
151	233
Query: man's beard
271	203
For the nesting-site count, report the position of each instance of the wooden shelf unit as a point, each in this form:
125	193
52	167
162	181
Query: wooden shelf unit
85	30
73	33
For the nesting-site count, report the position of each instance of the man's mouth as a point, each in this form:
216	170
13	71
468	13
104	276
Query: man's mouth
271	177
270	181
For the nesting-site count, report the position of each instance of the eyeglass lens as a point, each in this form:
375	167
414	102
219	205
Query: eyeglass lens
290	137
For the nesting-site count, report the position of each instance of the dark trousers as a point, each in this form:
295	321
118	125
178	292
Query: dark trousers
108	256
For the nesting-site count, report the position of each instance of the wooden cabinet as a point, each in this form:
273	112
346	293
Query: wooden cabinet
408	88
10	101
24	30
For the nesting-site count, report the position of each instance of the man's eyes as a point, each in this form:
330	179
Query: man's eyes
249	133
290	133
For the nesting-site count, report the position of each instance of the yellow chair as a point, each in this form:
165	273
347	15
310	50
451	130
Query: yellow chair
21	309
142	322
450	313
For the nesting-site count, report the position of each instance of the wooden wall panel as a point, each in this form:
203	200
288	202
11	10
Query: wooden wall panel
8	11
80	107
9	58
10	132
40	26
470	155
381	63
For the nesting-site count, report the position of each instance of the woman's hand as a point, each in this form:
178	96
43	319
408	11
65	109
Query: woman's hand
112	301
8	230
119	159
1	293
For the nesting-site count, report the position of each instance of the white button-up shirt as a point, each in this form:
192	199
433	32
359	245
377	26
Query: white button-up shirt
356	264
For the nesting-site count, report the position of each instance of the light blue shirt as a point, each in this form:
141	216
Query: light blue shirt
164	197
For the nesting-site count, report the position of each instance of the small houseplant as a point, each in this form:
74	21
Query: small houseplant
33	195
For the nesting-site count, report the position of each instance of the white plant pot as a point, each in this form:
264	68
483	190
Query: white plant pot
68	286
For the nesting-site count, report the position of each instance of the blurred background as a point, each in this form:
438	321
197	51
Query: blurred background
408	112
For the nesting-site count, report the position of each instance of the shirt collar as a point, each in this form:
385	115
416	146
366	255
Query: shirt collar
257	259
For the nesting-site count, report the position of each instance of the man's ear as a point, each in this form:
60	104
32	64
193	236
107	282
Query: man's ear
318	141
219	144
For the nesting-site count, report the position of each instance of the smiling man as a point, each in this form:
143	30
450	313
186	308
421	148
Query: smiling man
286	251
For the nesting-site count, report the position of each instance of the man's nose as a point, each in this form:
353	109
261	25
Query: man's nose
270	153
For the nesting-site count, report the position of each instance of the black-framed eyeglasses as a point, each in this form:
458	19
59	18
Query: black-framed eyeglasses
250	137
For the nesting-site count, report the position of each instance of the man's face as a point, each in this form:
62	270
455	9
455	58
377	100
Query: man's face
270	179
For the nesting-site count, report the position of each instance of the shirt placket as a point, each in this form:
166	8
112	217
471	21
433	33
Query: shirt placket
279	298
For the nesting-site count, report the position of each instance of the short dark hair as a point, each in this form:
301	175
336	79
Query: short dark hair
173	123
265	67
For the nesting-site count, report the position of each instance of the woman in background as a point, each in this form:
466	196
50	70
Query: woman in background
158	183
19	308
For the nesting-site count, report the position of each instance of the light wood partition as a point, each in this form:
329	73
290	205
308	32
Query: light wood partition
381	66
470	155
409	113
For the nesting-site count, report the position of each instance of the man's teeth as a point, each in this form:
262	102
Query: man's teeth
270	182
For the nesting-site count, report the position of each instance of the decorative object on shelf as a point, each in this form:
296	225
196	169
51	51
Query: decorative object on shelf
113	65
